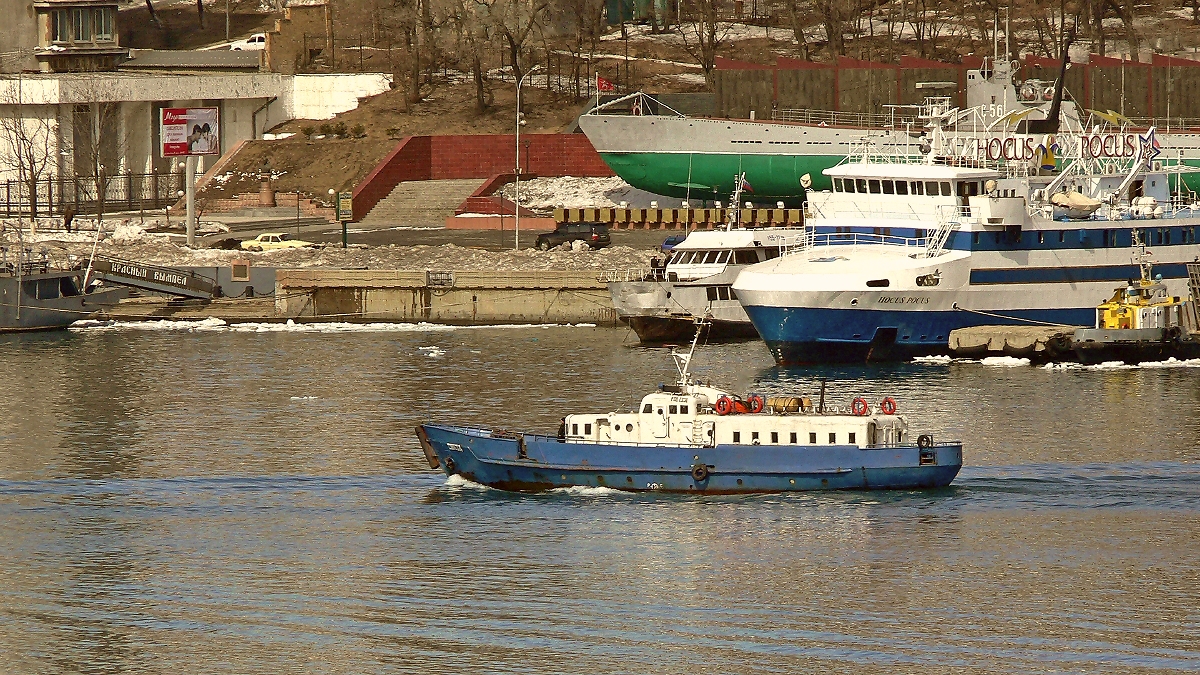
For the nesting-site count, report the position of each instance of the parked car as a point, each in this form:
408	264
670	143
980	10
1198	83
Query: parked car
594	234
255	41
669	243
271	241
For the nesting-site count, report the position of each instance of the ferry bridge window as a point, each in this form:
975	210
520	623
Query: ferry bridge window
744	257
674	409
931	188
772	253
683	410
711	292
574	429
722	257
918	188
837	184
889	188
648	408
873	184
947	189
860	185
901	187
723	292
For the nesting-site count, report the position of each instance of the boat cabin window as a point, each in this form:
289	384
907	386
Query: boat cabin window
737	437
889	187
947	189
918	188
648	408
793	438
832	437
837	184
873	184
968	188
931	188
754	437
771	253
860	185
901	187
587	430
851	441
683	410
774	437
745	257
628	427
674	410
722	257
812	438
574	429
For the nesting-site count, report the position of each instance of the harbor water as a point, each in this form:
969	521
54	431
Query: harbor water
254	500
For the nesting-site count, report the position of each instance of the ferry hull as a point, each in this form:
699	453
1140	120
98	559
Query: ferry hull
813	335
655	329
526	463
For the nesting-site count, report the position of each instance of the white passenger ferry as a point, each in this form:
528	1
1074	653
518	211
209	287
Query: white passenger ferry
899	253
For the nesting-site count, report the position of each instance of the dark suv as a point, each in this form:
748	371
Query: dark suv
594	234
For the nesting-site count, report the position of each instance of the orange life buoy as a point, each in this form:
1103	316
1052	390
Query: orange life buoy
859	406
723	406
888	406
755	403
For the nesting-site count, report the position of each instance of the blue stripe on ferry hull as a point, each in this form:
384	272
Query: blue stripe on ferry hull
798	336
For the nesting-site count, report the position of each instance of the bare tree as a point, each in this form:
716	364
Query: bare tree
515	21
704	30
834	14
797	12
30	145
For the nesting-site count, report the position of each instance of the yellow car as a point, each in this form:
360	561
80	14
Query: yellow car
271	241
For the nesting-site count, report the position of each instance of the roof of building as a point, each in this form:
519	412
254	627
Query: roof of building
165	59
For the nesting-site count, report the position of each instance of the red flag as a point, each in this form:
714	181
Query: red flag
604	85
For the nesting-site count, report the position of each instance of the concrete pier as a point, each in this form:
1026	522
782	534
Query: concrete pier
443	296
1040	343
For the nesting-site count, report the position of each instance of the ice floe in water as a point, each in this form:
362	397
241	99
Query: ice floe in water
304	398
290	326
1004	361
1120	365
433	351
931	360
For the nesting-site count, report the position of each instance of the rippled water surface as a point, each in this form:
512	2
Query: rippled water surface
226	501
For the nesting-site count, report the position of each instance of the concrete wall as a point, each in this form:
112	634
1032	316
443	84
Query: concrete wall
18	36
320	97
465	297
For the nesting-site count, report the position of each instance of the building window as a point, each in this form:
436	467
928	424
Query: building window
81	25
104	24
61	25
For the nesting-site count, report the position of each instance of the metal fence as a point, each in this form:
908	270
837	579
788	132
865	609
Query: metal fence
79	194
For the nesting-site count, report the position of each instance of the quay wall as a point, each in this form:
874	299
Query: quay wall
443	296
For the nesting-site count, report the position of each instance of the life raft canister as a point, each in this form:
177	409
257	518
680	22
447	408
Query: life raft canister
859	406
888	406
723	406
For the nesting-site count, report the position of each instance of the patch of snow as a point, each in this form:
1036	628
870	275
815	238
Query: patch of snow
932	360
570	192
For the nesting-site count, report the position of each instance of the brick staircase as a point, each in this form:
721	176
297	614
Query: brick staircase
421	203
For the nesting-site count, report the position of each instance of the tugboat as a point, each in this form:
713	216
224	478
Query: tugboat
1142	321
36	296
692	437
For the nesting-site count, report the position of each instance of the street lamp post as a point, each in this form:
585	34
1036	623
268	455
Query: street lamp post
517	174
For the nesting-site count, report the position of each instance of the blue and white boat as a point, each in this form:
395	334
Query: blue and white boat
901	252
693	437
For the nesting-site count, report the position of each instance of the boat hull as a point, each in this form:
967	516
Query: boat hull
530	463
658	329
42	304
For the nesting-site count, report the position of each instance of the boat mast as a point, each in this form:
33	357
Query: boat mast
683	362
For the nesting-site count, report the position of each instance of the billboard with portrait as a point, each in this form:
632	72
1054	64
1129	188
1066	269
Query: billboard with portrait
189	131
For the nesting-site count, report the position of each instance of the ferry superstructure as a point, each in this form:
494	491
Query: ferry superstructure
697	157
897	253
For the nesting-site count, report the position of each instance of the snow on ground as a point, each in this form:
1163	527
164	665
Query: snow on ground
569	192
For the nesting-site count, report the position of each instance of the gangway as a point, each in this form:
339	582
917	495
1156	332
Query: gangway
169	280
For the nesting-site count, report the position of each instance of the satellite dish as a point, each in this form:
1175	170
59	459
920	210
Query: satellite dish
806	181
989	186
